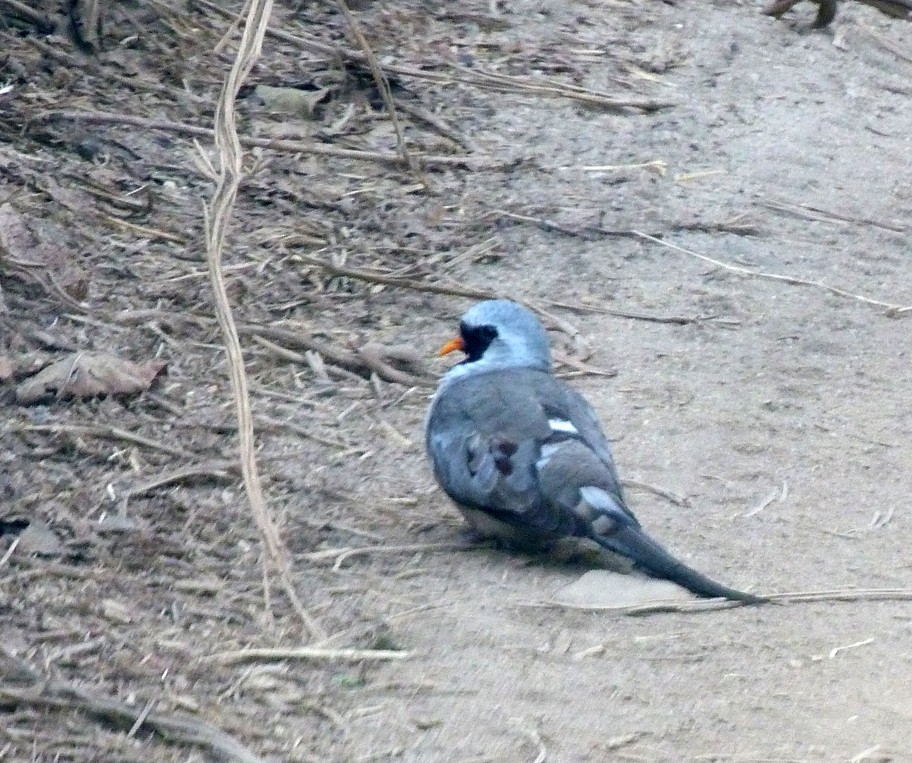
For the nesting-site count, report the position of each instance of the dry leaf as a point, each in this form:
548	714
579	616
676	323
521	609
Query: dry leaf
74	199
15	236
605	588
290	100
87	374
39	539
116	611
36	253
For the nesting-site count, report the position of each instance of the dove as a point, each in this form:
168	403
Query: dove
523	455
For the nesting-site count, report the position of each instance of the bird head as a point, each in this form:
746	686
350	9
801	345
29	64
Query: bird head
498	334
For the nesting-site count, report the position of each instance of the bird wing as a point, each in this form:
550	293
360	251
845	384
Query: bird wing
520	444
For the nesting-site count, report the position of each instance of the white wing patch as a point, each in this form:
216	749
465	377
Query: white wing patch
562	425
546	452
558	427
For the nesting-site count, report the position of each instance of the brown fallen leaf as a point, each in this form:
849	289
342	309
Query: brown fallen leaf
39	539
291	100
87	374
36	252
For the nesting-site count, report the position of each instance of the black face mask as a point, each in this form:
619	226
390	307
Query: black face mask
476	340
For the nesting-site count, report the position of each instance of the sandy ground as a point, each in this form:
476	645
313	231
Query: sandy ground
765	382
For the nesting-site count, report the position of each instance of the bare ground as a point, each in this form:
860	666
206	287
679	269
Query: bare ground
777	406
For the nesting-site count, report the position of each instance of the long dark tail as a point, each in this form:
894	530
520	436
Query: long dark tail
632	542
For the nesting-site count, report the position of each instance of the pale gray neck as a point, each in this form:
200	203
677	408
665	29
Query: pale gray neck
488	364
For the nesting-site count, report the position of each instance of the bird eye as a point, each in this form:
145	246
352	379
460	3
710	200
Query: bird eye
488	332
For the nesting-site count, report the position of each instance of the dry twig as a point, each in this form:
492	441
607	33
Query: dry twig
215	469
67	697
712	605
316	654
371	358
42	22
217	216
677	320
276	144
380	80
452	290
339	555
892	309
104	431
370	276
473	76
668	495
809	212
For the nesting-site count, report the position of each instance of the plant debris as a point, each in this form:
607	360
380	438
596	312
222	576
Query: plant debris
88	374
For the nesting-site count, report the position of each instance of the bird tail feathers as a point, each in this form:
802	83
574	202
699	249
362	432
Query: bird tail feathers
613	529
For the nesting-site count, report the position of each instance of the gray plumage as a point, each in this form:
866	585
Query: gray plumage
523	454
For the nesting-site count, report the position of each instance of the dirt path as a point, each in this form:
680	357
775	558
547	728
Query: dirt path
780	390
778	408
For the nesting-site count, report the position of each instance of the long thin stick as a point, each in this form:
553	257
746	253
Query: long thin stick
380	80
318	654
893	310
217	216
452	290
276	144
711	605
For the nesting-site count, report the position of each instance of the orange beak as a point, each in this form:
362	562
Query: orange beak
452	346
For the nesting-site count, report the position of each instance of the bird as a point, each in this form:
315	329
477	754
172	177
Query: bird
826	11
523	456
